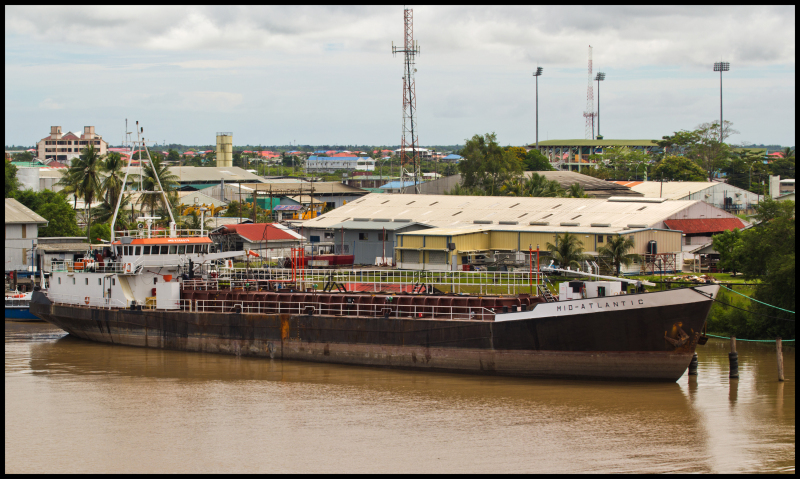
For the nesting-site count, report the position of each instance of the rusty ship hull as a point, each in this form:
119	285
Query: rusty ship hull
648	336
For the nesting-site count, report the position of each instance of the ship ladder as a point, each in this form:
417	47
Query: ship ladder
545	293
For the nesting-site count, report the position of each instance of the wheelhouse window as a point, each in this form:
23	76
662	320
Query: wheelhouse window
164	249
181	249
138	250
173	249
189	249
146	250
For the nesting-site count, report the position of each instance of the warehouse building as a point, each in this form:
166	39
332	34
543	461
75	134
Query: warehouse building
721	195
22	232
467	225
594	187
369	240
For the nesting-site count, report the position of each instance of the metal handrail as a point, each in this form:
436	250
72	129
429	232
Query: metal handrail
392	310
162	233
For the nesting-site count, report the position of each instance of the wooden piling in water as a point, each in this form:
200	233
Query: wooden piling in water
779	351
733	357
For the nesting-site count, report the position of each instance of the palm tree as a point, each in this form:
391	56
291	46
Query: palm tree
513	187
539	186
155	172
83	179
616	252
568	250
112	184
105	212
576	191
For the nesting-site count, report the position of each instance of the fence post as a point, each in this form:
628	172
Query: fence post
779	351
733	357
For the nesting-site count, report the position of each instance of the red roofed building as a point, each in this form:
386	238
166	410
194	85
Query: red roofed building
257	237
64	148
699	231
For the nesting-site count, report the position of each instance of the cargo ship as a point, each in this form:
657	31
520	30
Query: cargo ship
169	289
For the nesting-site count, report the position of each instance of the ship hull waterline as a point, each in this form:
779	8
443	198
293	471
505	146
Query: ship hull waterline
614	345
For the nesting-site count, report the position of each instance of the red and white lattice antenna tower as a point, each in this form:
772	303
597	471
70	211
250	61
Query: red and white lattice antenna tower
409	139
589	114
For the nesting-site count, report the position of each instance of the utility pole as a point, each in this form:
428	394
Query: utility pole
411	50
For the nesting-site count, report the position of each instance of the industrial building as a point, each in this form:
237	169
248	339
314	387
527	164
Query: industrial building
574	154
268	240
22	231
225	149
370	241
466	225
721	195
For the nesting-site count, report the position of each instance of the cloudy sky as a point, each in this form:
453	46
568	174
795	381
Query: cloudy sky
326	75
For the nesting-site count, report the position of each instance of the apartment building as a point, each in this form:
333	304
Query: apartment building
65	147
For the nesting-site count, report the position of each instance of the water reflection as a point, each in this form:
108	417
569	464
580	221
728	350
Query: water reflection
105	408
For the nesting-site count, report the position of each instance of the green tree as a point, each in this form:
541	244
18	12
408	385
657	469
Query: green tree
709	151
54	208
12	183
568	250
539	186
84	176
768	253
173	157
576	191
783	167
112	183
535	161
486	164
729	246
616	252
100	231
678	168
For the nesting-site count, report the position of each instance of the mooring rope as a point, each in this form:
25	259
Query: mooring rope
751	340
757	301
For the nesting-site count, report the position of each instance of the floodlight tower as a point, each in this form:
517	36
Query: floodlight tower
589	114
721	67
537	74
409	138
600	77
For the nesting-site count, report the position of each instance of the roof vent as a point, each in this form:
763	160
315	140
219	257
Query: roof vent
637	225
508	222
381	219
483	222
601	225
570	223
360	219
402	220
539	223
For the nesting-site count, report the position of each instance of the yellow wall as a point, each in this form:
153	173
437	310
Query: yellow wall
471	241
436	242
668	241
410	241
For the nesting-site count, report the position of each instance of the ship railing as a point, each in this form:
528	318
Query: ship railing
388	310
163	233
481	282
84	266
72	299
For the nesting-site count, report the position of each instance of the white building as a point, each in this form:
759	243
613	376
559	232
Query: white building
334	163
22	231
721	195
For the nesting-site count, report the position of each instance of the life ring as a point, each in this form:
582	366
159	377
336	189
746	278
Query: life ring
128	267
86	300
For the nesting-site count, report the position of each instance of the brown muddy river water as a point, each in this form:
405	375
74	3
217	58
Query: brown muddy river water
77	406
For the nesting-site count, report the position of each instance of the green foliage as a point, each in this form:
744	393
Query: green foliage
151	176
486	164
535	161
616	252
25	156
568	250
83	178
678	168
173	156
576	191
783	167
12	183
742	166
729	246
54	208
766	252
99	231
238	210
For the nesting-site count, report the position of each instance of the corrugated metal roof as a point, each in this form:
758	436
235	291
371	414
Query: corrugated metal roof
376	225
320	188
17	213
445	211
669	189
705	225
256	232
213	174
63	247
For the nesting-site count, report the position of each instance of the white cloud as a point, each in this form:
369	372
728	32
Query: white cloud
49	104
